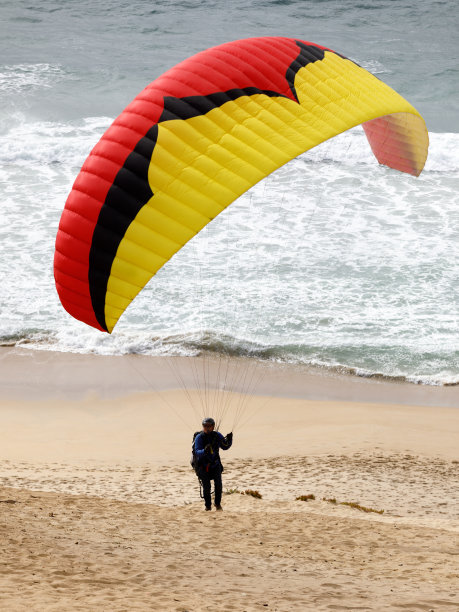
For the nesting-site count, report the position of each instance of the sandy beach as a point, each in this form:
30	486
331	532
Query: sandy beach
101	510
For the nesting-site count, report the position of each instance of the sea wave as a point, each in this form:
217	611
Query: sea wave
47	143
43	143
223	346
22	78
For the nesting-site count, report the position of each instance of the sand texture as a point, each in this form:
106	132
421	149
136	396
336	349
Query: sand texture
71	552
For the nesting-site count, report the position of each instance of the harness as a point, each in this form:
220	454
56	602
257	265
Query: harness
195	463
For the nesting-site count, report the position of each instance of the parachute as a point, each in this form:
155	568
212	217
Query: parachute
196	139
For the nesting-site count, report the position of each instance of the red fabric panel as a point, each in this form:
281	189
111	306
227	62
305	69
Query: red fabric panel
73	268
73	303
390	146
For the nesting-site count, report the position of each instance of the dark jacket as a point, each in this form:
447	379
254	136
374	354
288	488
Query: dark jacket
208	461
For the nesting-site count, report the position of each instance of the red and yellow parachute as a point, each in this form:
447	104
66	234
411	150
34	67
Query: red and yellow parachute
198	137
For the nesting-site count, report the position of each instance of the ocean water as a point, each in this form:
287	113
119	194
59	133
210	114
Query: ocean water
332	261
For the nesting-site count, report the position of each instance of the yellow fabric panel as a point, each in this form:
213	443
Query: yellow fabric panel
143	236
127	278
116	304
202	164
155	220
177	213
180	180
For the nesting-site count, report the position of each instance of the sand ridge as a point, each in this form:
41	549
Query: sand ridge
410	489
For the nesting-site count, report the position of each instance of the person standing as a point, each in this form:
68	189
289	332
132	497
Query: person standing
207	445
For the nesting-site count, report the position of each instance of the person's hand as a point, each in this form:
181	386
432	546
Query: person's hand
208	449
229	437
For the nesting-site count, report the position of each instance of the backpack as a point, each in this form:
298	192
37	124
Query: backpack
194	459
194	462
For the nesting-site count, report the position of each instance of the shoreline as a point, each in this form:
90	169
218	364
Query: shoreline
258	356
74	409
114	376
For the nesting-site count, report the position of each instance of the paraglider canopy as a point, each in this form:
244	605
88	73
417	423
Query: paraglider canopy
198	137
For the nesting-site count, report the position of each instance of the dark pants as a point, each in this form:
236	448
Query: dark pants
214	474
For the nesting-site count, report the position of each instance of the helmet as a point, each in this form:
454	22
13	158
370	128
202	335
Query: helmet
208	421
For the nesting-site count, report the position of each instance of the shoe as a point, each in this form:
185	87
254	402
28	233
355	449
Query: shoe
218	507
208	508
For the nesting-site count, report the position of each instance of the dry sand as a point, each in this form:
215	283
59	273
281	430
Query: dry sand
100	509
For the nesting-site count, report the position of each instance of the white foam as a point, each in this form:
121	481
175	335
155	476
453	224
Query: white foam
332	260
20	78
46	143
374	66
